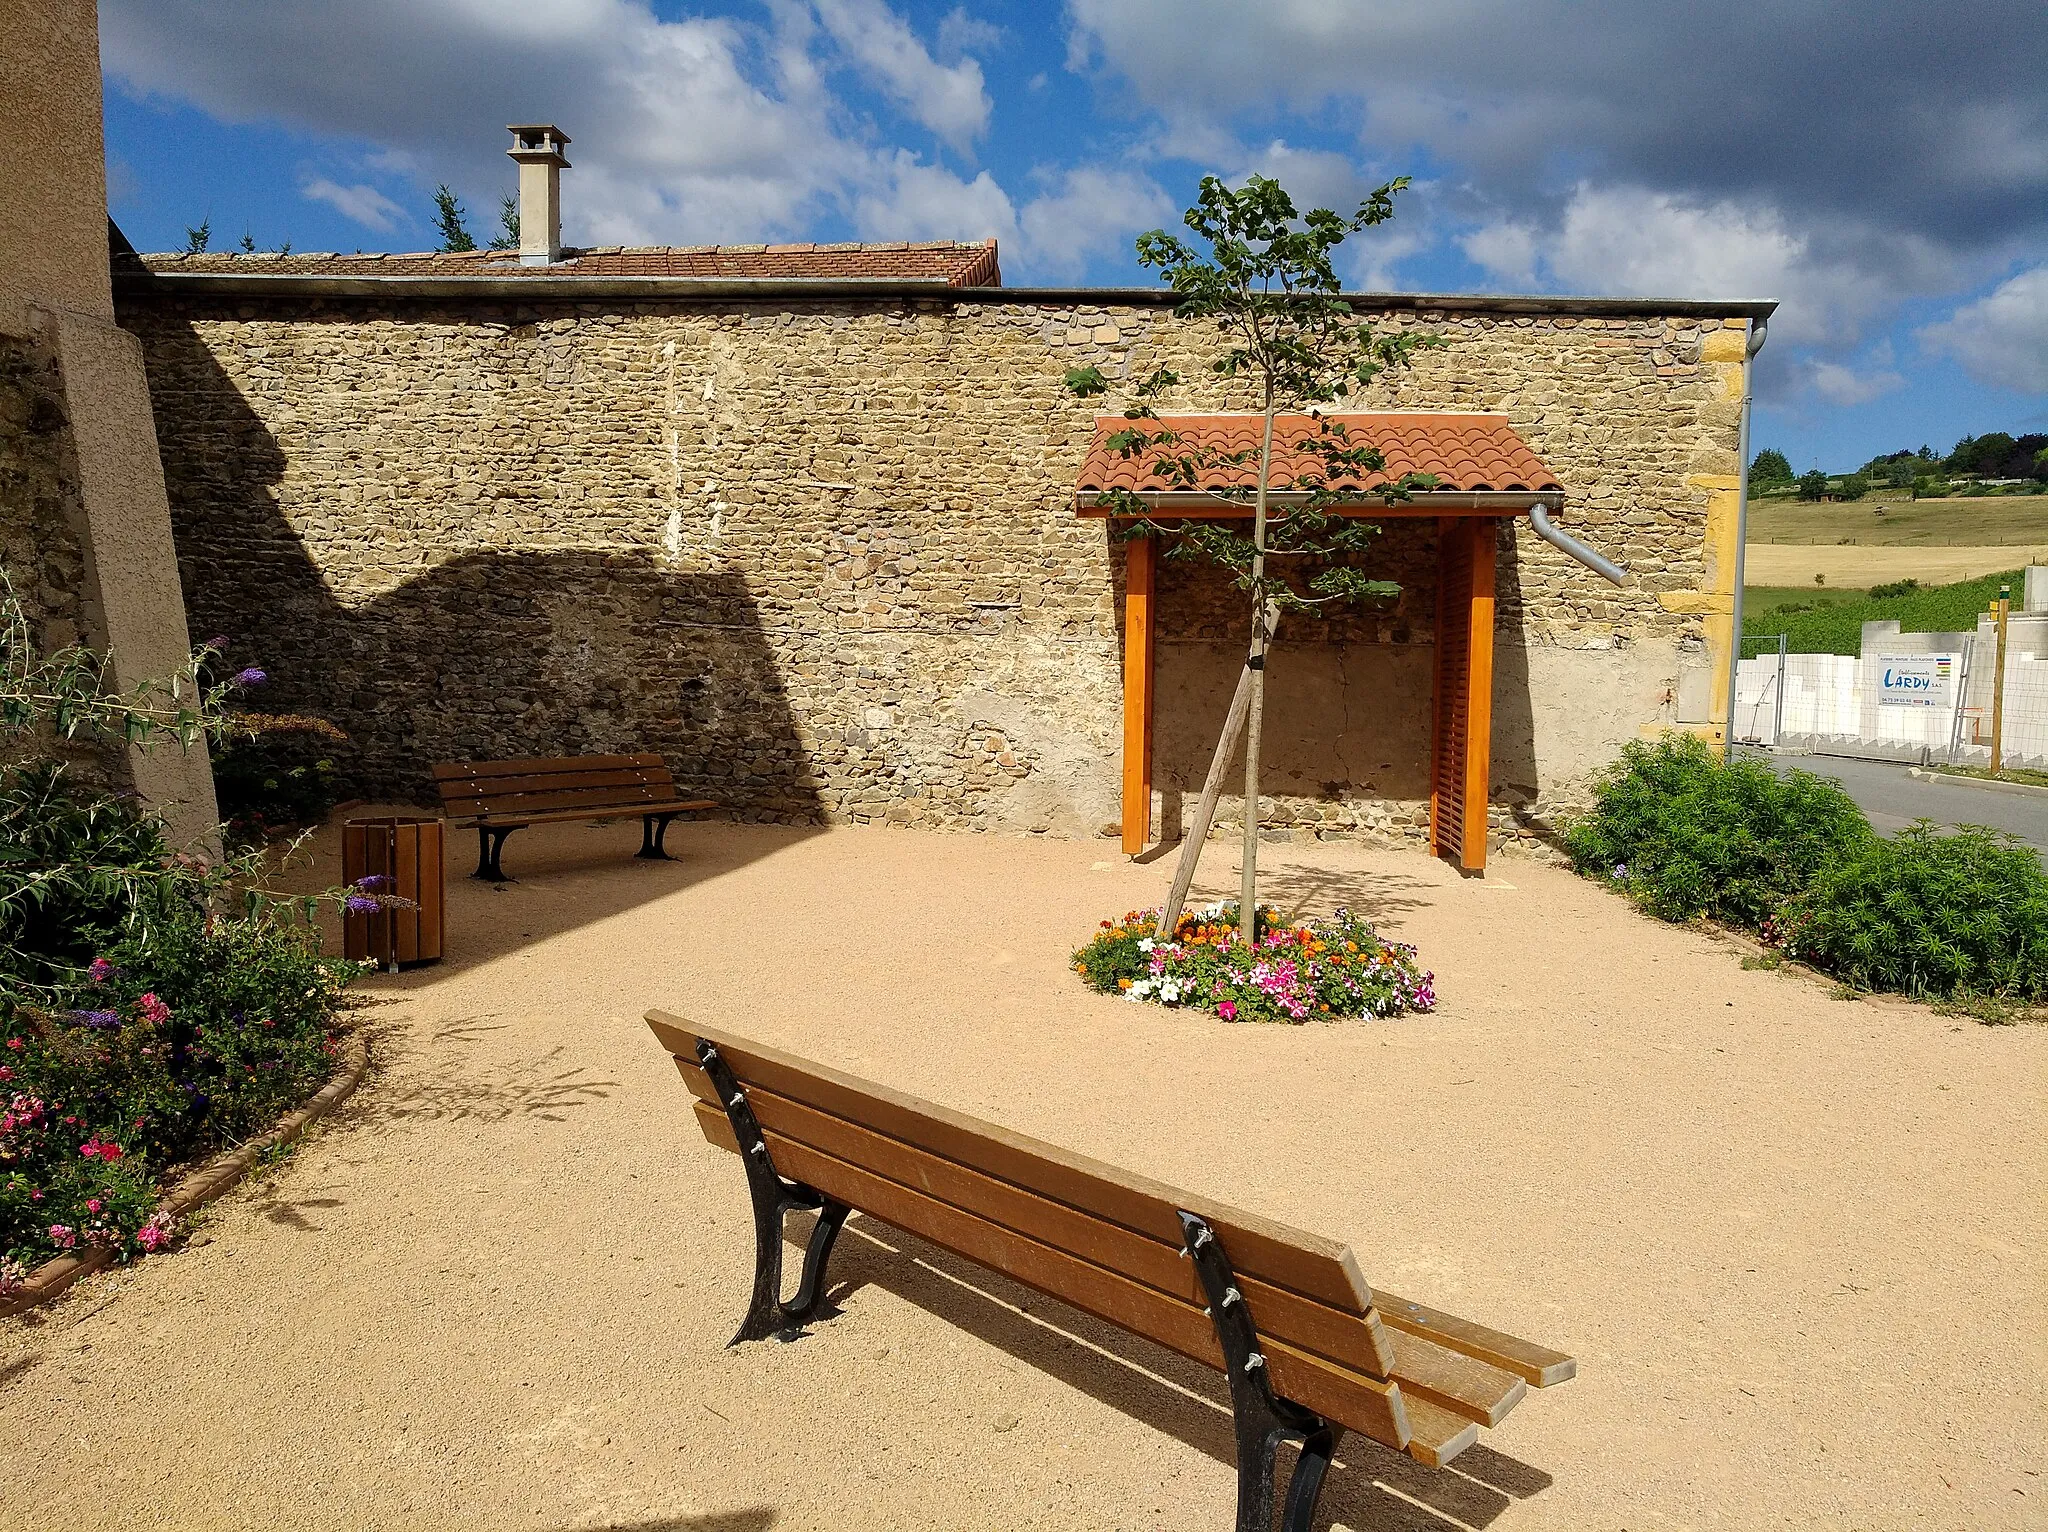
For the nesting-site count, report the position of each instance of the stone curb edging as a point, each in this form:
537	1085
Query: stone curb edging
216	1178
1989	785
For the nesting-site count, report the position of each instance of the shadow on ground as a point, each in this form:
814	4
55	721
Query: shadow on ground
1369	1487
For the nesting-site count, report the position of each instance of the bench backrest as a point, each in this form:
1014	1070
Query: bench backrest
1109	1242
544	784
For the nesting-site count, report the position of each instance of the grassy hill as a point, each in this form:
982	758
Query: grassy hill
1985	521
1831	621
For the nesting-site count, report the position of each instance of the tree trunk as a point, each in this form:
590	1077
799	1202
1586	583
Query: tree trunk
1255	666
1205	813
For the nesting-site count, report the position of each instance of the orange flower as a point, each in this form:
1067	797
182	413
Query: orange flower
1123	983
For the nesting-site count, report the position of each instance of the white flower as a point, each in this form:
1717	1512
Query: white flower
1145	944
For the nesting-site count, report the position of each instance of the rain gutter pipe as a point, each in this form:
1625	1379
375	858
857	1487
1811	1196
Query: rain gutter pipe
1759	329
1557	537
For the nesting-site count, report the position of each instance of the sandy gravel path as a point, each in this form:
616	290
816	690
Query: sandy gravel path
1796	1243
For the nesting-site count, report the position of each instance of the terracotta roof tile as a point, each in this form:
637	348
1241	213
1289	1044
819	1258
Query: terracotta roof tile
1465	452
960	265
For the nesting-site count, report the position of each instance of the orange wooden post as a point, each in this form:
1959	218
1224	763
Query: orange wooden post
1448	692
1478	690
1141	556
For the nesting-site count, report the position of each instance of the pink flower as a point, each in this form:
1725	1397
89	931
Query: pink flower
1227	1010
6	1073
154	1011
93	1205
155	1234
63	1236
100	971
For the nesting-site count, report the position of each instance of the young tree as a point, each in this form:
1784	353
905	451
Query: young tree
508	220
196	240
1812	484
448	213
1769	469
1261	271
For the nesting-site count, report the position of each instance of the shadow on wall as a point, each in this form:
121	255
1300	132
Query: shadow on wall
486	654
1349	709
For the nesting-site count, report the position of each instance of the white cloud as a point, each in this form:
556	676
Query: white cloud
915	200
1847	387
1088	212
961	34
1594	143
695	130
1632	241
950	99
362	202
2002	338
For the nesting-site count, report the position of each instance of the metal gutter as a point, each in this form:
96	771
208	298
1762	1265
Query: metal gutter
1504	502
575	289
531	289
1557	537
1758	333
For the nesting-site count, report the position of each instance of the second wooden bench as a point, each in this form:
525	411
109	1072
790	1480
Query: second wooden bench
498	797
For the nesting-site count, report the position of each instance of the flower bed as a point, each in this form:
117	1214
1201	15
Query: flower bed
1332	967
160	1054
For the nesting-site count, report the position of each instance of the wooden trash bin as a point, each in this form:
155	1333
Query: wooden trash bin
407	849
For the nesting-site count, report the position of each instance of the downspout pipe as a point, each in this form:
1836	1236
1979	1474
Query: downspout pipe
1759	329
1557	537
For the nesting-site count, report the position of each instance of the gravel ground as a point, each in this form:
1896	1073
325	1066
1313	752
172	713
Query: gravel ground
1795	1243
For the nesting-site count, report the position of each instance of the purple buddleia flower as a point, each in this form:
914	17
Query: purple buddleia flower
375	880
361	904
250	677
104	1021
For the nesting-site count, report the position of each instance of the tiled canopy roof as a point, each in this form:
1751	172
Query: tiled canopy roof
960	265
1465	452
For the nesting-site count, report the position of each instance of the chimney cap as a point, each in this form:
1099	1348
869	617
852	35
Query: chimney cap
537	143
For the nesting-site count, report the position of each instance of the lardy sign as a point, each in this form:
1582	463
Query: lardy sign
1916	680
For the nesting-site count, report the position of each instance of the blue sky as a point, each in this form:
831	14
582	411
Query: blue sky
1892	195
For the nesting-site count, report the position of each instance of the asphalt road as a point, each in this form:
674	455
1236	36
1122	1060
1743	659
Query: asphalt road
1894	800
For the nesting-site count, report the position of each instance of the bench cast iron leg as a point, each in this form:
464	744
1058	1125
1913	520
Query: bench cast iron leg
1263	1420
774	1198
653	830
490	846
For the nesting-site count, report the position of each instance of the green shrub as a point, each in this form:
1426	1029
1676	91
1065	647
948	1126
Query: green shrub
1930	914
78	866
1891	589
1685	834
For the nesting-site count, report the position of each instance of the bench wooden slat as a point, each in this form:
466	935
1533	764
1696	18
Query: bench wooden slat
1468	1388
1538	1366
1435	1434
1352	1340
593	799
445	771
1370	1405
1282	1257
486	788
620	811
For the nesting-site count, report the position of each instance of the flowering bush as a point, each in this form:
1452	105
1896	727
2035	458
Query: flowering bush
168	1047
1337	966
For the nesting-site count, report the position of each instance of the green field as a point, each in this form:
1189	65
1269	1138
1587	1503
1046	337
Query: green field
1822	621
1989	521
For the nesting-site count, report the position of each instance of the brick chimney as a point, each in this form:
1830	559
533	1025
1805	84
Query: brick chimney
537	146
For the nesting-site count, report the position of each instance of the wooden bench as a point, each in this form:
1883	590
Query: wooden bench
499	797
1308	1349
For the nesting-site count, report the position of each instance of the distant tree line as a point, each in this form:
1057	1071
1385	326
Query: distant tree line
1997	455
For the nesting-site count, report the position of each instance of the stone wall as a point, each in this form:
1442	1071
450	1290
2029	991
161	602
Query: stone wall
825	556
40	510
